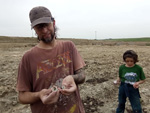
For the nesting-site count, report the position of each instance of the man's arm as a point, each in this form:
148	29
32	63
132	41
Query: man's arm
47	96
79	76
28	97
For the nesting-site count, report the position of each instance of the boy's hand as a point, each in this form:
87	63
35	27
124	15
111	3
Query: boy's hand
69	85
117	81
136	85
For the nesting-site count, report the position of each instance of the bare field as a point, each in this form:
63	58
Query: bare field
98	93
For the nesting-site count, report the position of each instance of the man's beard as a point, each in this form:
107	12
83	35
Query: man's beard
47	40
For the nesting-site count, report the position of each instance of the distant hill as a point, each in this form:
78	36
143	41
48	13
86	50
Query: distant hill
111	42
6	39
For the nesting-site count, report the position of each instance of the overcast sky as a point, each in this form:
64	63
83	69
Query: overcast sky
90	19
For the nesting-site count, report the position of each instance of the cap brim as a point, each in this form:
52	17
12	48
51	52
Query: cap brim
41	20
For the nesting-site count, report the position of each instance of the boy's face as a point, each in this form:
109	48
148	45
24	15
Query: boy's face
129	62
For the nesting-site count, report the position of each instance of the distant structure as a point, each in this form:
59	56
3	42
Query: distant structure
32	33
95	35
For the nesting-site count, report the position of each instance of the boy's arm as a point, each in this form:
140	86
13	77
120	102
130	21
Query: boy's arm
136	84
141	81
118	80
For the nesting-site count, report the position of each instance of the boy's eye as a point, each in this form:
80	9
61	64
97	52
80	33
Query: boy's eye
129	61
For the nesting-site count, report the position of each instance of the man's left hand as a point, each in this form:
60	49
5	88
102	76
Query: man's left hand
68	85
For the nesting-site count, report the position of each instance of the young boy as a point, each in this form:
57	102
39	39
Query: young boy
131	76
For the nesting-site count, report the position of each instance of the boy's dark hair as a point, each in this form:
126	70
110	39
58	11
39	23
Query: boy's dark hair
130	54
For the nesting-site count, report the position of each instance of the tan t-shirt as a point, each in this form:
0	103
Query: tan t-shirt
42	68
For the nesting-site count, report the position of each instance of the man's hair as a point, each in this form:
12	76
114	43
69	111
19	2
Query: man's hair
130	54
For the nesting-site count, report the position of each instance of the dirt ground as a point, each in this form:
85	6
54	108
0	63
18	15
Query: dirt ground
98	93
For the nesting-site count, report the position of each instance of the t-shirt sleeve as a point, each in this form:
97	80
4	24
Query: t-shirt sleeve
78	61
120	71
142	75
24	76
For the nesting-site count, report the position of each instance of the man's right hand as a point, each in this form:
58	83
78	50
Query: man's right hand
48	96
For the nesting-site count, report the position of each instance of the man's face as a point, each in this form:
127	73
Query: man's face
45	32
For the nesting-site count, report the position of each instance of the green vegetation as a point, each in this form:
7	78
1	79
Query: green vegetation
26	39
147	39
126	41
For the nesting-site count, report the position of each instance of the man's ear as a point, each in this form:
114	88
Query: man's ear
54	23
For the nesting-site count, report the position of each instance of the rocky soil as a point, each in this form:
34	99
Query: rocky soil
98	93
